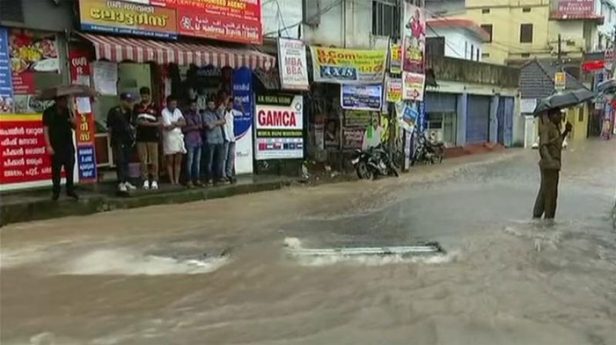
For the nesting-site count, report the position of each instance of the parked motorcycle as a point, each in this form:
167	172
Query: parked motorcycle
428	151
373	162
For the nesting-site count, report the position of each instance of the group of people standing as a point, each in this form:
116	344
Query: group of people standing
194	132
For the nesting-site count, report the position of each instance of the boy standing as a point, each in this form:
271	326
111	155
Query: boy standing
148	122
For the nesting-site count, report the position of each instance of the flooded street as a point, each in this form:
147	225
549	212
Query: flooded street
141	277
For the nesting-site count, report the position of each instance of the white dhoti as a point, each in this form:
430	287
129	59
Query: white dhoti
173	142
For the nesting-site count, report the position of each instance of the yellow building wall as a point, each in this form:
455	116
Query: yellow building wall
578	117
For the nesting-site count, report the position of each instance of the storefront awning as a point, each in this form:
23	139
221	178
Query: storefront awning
120	49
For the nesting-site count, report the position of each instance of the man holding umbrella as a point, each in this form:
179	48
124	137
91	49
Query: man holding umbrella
550	147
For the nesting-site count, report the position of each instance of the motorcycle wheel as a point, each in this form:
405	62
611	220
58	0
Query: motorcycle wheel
363	172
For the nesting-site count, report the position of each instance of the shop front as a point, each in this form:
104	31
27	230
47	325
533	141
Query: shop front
186	70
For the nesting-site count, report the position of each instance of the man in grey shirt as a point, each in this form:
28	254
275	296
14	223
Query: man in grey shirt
214	123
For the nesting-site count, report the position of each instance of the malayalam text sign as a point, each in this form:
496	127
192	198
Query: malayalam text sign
348	66
122	17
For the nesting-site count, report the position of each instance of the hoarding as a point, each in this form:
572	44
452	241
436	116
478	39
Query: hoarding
279	126
574	9
292	61
7	102
348	66
242	125
413	39
395	59
123	17
361	97
413	86
394	90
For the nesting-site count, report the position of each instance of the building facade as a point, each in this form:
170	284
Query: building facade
456	38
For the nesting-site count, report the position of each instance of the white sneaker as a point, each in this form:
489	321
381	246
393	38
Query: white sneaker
154	185
130	186
122	187
146	185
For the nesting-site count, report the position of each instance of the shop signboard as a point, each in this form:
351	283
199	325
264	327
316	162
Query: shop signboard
574	9
126	17
361	97
24	161
394	90
279	125
395	59
224	20
85	128
7	101
292	61
348	66
413	86
413	38
560	81
242	125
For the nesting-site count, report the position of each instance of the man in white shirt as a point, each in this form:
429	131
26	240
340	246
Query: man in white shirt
228	131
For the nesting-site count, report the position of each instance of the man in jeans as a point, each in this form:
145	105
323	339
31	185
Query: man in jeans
213	122
193	142
148	123
122	138
229	131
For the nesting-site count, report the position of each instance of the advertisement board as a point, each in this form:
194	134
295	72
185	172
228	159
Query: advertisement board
31	52
560	81
574	9
7	102
224	20
394	90
413	86
348	66
242	125
123	17
279	125
361	97
395	59
292	62
413	39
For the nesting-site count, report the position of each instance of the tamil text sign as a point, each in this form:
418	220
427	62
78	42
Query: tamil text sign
347	66
292	60
279	124
128	18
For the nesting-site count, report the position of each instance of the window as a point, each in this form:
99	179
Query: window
485	11
435	46
526	9
580	115
11	10
478	54
311	14
488	29
385	18
485	55
472	52
525	55
570	43
526	33
465	50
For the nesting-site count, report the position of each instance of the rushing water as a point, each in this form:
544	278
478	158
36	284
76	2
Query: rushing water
216	272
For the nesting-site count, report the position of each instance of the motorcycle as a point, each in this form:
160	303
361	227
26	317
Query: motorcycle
373	162
428	151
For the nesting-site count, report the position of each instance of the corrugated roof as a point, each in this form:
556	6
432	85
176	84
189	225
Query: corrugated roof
537	80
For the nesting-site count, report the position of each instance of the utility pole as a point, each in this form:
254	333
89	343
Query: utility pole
559	61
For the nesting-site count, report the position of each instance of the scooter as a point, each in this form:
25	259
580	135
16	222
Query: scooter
373	162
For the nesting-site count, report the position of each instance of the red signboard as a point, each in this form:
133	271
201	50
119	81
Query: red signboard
225	20
24	156
573	9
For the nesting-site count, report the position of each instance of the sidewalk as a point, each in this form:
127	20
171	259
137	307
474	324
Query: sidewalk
37	204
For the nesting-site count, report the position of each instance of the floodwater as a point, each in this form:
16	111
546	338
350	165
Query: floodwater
217	272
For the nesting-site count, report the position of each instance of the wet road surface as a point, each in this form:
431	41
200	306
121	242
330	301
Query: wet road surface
139	276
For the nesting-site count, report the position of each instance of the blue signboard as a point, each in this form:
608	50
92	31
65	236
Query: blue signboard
242	125
6	85
87	162
361	97
421	120
410	112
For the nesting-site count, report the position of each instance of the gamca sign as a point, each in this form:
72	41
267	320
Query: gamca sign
279	125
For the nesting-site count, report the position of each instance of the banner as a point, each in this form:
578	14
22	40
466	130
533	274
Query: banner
413	86
361	97
279	126
7	102
394	90
120	17
292	61
23	152
31	52
242	126
413	38
395	59
224	20
85	128
347	66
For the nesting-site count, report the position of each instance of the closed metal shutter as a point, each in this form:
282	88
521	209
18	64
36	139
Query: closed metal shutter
477	119
440	102
505	121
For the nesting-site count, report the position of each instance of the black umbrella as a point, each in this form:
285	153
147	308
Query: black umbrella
608	86
563	99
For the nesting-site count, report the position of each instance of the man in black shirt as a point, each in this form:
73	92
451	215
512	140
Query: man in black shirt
122	138
58	125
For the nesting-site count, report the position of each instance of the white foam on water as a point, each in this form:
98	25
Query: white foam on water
125	262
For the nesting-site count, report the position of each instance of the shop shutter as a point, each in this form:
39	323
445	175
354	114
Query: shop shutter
505	121
440	102
11	11
477	119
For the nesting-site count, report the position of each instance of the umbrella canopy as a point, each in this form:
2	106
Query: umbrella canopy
608	86
68	90
564	99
